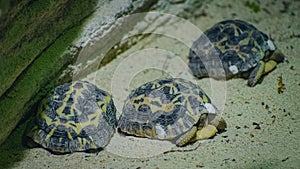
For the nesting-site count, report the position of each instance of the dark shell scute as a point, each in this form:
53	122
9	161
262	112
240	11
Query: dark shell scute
51	113
144	108
166	119
110	115
214	35
245	48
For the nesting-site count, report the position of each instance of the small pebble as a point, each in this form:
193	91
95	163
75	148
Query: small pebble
285	159
199	166
267	106
257	126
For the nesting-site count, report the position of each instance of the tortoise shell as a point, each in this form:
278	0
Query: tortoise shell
77	116
232	48
164	109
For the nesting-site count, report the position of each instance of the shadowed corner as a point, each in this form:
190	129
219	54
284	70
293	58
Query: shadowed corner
12	150
4	6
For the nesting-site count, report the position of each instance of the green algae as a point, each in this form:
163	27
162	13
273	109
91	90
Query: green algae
252	5
33	54
36	26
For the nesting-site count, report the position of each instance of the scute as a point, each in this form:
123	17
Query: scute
77	116
169	108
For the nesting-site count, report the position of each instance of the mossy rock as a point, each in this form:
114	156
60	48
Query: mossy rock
33	39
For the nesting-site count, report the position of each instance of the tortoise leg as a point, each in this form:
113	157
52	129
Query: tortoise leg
265	67
205	133
187	137
195	134
275	58
269	66
191	134
256	74
204	129
209	130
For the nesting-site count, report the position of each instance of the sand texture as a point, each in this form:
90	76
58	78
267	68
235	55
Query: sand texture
263	125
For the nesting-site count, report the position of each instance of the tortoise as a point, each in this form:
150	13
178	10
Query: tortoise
171	109
77	116
236	48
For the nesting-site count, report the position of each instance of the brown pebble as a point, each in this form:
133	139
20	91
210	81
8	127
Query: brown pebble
199	166
267	106
257	127
273	117
285	159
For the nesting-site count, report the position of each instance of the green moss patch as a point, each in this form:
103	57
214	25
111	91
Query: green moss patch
33	54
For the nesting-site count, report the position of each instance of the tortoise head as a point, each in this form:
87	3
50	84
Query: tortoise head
277	56
217	121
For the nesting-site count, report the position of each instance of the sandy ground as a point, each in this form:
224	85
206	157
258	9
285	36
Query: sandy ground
263	126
